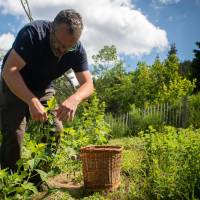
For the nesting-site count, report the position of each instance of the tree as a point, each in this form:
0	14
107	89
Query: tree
142	85
160	82
195	68
172	50
112	83
185	67
175	86
104	60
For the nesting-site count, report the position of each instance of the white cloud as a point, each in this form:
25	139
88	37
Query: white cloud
6	41
106	22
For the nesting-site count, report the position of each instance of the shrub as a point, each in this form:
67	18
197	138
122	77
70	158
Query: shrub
117	126
194	110
172	163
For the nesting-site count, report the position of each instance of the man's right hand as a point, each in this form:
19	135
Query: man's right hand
37	110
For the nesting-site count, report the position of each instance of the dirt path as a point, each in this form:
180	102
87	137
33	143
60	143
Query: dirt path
61	185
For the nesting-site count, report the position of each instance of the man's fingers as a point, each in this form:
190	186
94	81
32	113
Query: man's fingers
45	116
40	117
61	114
65	114
71	115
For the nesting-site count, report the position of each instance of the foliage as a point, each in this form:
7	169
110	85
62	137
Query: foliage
133	122
147	85
195	69
142	85
162	82
104	60
185	68
115	90
113	85
42	155
172	165
35	159
15	185
90	125
1	56
194	110
117	126
160	165
172	50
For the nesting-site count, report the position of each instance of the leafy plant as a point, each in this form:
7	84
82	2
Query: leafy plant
172	165
35	159
194	110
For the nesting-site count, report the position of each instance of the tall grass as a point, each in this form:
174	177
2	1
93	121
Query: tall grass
161	165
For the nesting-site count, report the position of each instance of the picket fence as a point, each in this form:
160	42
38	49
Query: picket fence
168	114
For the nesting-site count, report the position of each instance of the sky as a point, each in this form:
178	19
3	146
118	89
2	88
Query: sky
140	29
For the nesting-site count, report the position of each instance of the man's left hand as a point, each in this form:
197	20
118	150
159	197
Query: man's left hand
67	109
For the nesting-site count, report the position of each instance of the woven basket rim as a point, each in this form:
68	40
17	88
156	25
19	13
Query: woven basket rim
101	148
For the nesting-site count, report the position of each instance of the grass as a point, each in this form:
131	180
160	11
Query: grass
155	165
66	187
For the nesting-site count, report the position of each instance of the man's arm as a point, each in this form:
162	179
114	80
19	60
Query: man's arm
67	109
16	84
86	86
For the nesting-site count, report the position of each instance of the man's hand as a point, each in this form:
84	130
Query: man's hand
37	110
67	109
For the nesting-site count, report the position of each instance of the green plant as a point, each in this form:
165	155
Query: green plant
117	126
15	185
90	126
136	121
35	159
153	120
173	171
194	110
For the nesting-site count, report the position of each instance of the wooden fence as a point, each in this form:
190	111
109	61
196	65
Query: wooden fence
174	115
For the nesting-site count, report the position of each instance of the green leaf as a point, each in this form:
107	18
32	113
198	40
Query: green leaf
51	103
29	186
31	163
42	174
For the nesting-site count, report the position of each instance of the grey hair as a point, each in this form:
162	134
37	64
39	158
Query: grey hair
71	18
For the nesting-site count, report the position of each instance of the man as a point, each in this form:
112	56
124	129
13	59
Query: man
41	52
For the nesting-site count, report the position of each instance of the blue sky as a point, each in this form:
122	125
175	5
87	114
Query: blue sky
181	22
140	29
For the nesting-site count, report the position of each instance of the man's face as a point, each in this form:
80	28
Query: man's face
61	41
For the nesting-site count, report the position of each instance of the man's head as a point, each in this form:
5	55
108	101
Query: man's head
66	31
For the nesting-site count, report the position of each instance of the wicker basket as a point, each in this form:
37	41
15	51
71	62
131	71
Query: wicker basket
101	167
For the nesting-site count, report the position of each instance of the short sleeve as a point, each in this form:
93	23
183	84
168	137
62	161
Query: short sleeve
81	62
25	43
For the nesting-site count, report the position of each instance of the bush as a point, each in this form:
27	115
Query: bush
138	122
194	110
153	120
172	163
135	122
117	126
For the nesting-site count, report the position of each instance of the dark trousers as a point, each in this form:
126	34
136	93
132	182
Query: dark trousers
14	115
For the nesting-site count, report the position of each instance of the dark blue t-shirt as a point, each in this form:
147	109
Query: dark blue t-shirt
33	45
